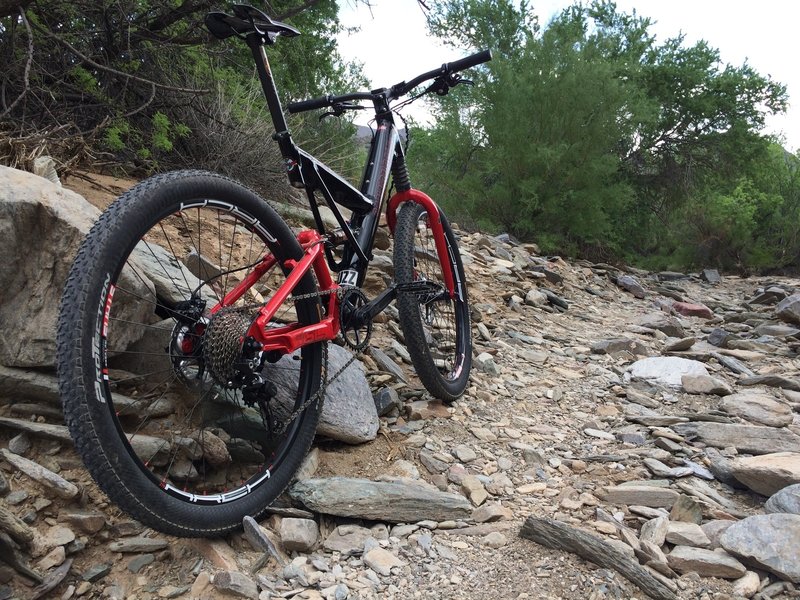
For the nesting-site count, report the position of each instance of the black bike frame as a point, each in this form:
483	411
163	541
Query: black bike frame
306	172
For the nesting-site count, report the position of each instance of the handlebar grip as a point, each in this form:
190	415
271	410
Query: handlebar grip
304	105
469	61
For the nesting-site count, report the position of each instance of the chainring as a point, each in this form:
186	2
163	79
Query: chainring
355	337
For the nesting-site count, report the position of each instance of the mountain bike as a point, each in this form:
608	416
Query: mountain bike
193	329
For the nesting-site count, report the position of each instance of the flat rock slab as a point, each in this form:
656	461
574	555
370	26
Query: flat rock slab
771	542
758	408
395	502
786	500
705	384
772	381
707	563
768	473
138	544
666	370
234	583
640	495
751	439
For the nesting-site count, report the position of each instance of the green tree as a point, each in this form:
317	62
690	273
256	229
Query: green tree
588	136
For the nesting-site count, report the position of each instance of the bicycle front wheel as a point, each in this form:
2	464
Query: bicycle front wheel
436	327
161	406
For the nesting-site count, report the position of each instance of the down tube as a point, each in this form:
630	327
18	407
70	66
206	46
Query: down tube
373	186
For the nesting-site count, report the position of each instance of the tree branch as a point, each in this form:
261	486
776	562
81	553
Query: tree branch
27	76
97	65
297	10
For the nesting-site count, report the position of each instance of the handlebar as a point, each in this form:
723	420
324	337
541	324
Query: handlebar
397	90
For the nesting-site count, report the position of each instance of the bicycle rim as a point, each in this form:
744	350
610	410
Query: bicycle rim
169	362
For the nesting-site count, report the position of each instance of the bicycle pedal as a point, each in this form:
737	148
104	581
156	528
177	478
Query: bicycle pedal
419	287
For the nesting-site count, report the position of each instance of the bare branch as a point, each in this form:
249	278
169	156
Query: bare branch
27	76
143	106
97	65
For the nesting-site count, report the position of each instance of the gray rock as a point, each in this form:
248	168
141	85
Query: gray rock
706	563
485	362
298	534
138	563
96	572
394	502
386	363
786	500
236	584
686	510
348	412
758	408
775	330
616	345
687	534
666	370
747	585
705	384
710	276
664	323
20	444
535	298
655	531
714	530
771	542
721	467
630	284
788	309
772	381
679	345
382	561
720	338
138	544
751	439
641	495
768	473
41	227
347	539
386	399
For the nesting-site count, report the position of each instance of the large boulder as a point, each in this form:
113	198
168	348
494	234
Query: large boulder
41	227
348	412
770	542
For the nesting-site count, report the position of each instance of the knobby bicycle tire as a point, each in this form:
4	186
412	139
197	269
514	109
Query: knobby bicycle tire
101	421
436	330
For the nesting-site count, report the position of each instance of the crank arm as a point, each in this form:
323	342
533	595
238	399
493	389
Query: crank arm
372	309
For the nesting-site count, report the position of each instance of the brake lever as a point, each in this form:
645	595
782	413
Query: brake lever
339	108
443	84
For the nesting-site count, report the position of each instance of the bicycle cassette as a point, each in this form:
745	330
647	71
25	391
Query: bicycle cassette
355	335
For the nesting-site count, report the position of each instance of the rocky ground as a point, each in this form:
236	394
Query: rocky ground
657	413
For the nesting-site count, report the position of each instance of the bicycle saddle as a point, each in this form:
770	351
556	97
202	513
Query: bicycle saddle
246	19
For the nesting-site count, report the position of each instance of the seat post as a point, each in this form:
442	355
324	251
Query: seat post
256	43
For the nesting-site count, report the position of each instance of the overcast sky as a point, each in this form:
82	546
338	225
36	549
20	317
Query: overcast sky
393	43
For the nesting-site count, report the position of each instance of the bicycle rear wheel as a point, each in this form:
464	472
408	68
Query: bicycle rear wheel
151	378
436	327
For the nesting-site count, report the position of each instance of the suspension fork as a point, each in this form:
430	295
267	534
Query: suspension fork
435	223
